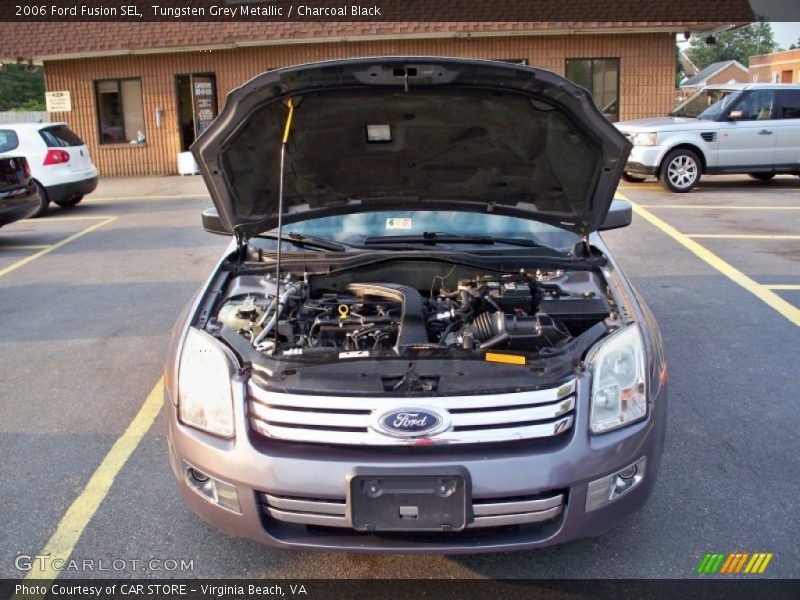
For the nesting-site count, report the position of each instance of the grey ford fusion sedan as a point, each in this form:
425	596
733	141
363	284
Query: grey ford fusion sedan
416	340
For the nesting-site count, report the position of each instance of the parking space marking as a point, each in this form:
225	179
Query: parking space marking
742	236
86	218
784	287
719	206
200	196
46	250
762	292
74	522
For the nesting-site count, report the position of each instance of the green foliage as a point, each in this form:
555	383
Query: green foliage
20	89
737	44
31	105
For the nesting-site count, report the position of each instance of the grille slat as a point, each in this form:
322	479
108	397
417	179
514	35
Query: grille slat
373	438
472	419
366	403
491	513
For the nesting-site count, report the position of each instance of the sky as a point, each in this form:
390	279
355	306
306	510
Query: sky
786	33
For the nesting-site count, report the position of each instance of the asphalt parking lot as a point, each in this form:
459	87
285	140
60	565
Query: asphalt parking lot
89	296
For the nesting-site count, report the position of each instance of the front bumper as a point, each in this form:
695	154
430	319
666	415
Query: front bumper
644	160
567	466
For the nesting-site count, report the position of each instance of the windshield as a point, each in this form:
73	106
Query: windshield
705	104
353	229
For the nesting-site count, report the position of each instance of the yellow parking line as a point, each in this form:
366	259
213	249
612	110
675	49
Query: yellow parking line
200	196
72	524
56	246
719	206
86	218
761	292
24	247
742	236
787	287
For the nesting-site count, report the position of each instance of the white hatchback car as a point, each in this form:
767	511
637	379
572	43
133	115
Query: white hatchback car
738	128
59	161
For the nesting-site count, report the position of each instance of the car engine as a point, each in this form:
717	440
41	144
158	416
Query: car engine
518	312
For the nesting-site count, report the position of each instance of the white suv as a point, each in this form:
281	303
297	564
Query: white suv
59	161
722	129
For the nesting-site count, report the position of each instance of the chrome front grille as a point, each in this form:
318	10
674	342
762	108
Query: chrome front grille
473	419
493	512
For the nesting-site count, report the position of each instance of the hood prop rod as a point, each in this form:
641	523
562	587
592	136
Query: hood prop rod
284	142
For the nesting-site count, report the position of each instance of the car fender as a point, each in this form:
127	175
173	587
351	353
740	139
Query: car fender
669	140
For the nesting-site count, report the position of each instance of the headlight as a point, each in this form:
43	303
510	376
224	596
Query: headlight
619	391
644	139
204	385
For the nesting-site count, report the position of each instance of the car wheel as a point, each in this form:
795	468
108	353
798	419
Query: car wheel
632	178
762	176
69	202
44	201
680	171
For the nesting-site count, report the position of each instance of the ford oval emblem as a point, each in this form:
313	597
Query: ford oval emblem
411	421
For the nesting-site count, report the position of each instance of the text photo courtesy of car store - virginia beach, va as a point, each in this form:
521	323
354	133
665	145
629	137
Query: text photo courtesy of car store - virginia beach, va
341	301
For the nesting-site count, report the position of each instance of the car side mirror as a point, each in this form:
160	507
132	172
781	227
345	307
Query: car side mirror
619	215
736	115
212	222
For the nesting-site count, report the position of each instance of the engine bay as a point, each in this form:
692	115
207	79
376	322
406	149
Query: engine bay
403	308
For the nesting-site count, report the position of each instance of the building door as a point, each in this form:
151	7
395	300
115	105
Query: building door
786	76
197	105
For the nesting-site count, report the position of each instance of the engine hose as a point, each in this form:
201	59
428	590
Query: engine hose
500	338
291	289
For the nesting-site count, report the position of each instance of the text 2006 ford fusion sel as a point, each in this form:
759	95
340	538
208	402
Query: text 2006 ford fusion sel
441	355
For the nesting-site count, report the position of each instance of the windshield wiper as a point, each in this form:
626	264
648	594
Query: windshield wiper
432	238
304	241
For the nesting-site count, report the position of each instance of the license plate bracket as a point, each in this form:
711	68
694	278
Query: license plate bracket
409	499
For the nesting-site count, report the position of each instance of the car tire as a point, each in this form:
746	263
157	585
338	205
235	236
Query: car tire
44	201
632	178
680	171
69	202
762	176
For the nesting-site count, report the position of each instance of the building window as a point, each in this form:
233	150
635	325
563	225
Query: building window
601	77
120	111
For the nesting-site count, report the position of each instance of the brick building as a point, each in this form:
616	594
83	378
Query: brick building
167	80
726	71
778	67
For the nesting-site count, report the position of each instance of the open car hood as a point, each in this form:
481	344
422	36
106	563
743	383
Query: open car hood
463	134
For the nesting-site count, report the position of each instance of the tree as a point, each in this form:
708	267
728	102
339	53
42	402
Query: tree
737	44
21	88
